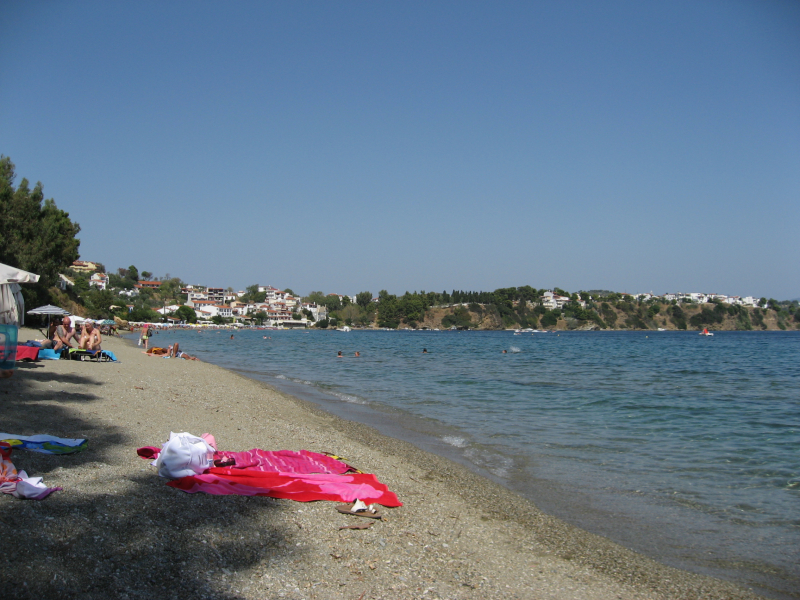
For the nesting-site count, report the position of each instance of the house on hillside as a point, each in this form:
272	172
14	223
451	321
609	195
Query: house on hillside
84	266
552	301
99	280
64	282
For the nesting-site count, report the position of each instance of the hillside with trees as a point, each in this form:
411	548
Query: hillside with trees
521	307
37	236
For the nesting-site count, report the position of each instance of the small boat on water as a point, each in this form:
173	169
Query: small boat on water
661	329
706	332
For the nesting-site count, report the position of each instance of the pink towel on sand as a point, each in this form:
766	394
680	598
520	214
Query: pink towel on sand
303	476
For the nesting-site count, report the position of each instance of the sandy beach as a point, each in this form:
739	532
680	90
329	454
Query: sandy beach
117	531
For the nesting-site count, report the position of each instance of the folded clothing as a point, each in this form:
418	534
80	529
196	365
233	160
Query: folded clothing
17	483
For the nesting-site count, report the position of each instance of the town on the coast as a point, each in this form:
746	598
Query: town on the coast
38	237
138	297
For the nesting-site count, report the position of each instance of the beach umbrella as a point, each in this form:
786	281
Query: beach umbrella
48	310
106	322
12	305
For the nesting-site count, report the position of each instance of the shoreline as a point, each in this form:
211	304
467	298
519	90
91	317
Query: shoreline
458	535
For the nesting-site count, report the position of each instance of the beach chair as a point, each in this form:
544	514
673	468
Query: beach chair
92	355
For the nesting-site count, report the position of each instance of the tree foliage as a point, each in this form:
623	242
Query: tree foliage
35	235
186	313
363	299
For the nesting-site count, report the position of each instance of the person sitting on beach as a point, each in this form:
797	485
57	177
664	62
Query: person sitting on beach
175	352
90	338
63	334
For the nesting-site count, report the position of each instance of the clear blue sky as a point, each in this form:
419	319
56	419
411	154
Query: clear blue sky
354	146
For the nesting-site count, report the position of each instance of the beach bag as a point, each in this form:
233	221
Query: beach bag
184	455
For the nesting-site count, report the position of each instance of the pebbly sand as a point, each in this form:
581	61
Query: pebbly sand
117	531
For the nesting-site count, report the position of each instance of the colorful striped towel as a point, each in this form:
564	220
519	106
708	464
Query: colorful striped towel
46	444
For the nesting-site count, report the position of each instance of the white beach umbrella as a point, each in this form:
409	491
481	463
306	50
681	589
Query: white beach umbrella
12	305
48	310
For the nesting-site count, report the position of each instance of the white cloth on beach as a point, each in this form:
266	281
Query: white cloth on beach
184	454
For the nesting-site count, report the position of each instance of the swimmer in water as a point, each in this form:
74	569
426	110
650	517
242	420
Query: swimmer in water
358	353
339	355
505	351
424	350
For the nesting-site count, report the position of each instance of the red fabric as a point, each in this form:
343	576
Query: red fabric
150	452
302	488
283	461
303	476
27	353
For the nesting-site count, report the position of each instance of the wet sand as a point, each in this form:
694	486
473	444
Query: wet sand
116	530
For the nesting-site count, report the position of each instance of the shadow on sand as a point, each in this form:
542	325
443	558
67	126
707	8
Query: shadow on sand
128	535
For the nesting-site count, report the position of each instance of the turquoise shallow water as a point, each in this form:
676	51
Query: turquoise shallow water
682	447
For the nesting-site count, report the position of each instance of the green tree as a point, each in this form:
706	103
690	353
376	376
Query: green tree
132	273
460	318
146	275
35	235
550	318
677	316
315	297
388	310
144	314
187	314
350	313
411	308
363	299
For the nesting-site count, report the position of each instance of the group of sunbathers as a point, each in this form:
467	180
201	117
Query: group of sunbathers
61	335
172	352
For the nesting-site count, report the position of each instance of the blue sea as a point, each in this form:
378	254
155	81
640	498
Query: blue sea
682	447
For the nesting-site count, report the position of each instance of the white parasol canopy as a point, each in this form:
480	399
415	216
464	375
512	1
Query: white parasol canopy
13	275
48	310
12	305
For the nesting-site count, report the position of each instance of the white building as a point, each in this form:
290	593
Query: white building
99	280
166	310
553	301
64	282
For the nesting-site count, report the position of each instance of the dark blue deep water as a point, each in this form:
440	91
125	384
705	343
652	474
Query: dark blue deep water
682	447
